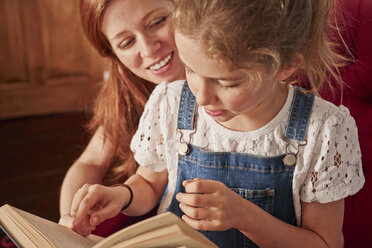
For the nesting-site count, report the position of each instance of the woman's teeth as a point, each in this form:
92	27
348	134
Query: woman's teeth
162	63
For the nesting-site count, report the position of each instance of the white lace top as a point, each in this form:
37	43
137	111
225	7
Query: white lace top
328	168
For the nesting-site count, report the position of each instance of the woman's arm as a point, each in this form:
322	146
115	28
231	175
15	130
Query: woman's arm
90	168
93	204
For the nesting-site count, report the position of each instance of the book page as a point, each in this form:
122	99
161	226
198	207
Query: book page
59	235
13	232
157	222
167	237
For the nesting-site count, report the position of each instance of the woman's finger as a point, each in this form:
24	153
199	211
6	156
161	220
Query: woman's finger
79	195
94	197
83	227
66	220
110	210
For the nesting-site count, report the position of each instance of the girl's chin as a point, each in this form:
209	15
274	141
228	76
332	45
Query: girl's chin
223	120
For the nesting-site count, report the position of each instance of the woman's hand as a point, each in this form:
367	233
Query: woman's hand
209	205
95	203
66	220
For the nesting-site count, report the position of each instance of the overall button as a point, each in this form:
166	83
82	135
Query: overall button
289	159
183	148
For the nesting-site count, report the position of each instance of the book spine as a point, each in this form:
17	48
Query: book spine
10	236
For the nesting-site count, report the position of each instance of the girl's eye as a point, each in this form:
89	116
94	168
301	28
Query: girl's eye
188	70
125	43
158	21
229	86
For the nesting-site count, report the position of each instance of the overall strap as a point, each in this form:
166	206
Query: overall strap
300	114
186	109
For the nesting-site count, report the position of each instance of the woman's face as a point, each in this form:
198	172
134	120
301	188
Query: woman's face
141	35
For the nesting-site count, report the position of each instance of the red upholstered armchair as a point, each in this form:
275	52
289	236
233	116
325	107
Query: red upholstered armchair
355	21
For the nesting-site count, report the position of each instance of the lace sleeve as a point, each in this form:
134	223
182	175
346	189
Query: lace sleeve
335	161
148	142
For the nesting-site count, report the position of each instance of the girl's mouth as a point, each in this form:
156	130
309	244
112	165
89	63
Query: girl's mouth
214	113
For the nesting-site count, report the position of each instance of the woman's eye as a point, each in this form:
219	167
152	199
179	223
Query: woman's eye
125	43
158	21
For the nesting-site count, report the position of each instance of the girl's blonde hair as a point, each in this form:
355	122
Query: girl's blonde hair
268	31
121	98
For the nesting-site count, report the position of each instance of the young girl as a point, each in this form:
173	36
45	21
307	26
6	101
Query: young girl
248	159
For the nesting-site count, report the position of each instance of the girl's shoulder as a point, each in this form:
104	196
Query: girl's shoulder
165	95
168	89
331	162
328	112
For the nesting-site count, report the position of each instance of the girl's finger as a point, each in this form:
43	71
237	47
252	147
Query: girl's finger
198	224
202	186
197	200
196	213
186	182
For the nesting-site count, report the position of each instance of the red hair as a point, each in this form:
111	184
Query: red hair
121	98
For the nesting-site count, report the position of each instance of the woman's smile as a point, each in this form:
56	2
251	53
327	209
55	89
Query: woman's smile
163	65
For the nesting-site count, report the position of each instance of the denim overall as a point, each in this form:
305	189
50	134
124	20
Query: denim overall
265	181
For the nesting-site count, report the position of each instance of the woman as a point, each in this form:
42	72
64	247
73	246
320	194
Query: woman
137	39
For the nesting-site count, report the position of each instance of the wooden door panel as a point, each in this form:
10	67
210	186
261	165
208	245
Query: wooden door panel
64	56
52	68
34	45
12	59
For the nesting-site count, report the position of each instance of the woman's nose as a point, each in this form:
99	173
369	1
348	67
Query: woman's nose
149	46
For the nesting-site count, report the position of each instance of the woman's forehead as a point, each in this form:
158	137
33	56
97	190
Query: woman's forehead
123	15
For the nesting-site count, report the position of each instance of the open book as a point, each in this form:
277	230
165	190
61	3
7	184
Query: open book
164	230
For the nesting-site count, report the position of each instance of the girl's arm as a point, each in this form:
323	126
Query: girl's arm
210	205
90	167
93	204
321	227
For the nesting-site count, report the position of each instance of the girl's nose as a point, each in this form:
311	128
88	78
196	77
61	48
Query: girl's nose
149	46
205	93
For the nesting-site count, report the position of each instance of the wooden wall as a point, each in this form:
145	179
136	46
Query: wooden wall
46	63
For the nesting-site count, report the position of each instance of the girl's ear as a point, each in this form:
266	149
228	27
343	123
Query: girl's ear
290	67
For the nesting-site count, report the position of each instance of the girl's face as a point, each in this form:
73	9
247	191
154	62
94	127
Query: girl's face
235	99
141	35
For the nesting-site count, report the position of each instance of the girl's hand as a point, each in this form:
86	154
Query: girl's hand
93	204
209	205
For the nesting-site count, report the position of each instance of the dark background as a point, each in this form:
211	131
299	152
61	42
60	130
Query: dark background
35	153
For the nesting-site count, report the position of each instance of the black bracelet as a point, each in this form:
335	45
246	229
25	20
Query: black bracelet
130	192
